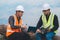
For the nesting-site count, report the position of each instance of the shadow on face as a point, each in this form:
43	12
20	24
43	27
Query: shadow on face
46	12
19	13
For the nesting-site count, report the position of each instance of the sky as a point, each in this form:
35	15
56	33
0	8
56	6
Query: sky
32	9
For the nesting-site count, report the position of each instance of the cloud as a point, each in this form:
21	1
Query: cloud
32	8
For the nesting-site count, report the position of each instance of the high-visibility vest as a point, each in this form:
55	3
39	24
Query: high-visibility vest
10	30
49	22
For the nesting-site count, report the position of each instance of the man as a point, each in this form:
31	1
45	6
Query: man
47	19
15	27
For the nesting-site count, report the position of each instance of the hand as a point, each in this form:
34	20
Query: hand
24	26
31	33
48	30
38	30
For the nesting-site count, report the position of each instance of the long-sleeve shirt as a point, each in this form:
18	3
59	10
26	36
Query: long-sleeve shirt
11	22
55	22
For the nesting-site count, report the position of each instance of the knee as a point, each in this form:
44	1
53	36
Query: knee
49	36
38	34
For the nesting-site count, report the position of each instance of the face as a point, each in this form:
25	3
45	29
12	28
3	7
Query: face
46	12
19	13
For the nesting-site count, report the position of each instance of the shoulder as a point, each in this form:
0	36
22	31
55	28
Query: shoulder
11	18
55	16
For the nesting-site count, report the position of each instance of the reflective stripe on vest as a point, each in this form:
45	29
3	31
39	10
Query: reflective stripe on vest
10	30
16	21
49	22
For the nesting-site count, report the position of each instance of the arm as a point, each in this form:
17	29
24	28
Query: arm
11	22
55	23
39	24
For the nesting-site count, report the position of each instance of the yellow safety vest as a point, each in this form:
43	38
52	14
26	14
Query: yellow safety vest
49	22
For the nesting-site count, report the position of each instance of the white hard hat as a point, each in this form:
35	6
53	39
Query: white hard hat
46	7
20	7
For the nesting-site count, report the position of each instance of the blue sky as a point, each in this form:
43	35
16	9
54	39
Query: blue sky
32	10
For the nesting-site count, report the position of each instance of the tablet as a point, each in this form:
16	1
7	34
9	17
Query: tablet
32	29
